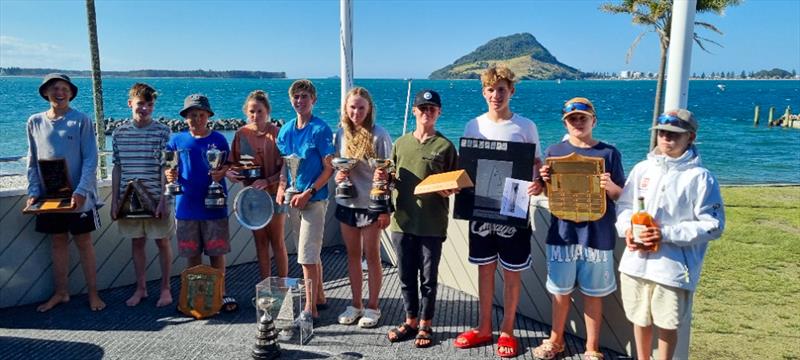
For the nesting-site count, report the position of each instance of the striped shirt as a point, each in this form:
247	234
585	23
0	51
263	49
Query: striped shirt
136	152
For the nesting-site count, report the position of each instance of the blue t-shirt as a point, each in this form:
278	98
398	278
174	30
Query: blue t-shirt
312	143
600	234
193	175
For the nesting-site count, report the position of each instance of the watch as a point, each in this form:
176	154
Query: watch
313	191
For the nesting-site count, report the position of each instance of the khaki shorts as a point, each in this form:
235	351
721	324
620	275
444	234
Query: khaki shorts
312	230
147	228
649	303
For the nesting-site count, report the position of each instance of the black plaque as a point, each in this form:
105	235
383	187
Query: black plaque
489	163
57	195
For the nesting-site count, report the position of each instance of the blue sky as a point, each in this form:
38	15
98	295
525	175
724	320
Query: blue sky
392	39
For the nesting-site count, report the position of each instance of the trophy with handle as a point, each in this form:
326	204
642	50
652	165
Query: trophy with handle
380	195
292	163
169	159
247	168
215	197
345	189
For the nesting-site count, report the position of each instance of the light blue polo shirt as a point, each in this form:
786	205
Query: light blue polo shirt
312	143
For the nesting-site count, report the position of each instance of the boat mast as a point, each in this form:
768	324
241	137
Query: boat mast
346	46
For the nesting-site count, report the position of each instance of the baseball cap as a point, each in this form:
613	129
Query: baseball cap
679	121
577	105
427	97
196	101
49	78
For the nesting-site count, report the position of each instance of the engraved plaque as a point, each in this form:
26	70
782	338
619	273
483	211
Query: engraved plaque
201	291
136	202
57	195
574	191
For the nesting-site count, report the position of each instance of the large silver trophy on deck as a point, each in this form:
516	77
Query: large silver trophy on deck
169	160
266	346
380	196
292	163
345	189
215	197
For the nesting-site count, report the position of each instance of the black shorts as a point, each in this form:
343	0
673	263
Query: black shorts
488	242
357	218
74	223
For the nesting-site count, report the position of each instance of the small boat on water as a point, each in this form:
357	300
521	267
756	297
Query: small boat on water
721	87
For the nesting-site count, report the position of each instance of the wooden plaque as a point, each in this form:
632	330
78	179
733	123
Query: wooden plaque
57	196
574	191
451	180
136	202
201	291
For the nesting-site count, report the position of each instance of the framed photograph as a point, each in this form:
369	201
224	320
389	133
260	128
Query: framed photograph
489	163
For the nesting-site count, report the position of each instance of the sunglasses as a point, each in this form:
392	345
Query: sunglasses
577	106
669	119
427	108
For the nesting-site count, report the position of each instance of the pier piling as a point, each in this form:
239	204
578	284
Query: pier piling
755	116
771	115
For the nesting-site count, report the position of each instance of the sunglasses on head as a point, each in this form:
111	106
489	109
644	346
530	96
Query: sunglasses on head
573	106
669	119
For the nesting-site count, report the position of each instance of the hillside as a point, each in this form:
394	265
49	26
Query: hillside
520	52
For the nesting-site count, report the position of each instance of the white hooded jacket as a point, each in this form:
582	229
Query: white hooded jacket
685	200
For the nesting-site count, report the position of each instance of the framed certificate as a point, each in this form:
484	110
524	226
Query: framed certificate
489	163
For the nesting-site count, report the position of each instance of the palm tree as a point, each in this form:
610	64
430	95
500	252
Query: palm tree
97	83
656	16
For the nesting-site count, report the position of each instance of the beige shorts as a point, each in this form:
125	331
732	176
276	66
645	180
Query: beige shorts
147	228
312	230
649	303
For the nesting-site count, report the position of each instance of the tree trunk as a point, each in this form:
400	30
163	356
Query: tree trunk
658	104
97	85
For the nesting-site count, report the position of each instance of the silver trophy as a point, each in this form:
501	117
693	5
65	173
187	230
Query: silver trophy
381	194
266	346
345	189
215	197
292	164
169	160
247	168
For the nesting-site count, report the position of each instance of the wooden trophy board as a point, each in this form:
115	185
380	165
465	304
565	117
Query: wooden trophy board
136	202
574	191
57	196
451	180
488	163
201	291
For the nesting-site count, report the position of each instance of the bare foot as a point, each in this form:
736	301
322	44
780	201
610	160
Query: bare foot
165	298
137	297
95	303
56	299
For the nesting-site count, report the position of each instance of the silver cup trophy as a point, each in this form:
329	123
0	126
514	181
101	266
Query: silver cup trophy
345	189
292	163
380	195
266	346
169	160
247	168
215	197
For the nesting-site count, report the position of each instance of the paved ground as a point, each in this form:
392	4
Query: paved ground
71	331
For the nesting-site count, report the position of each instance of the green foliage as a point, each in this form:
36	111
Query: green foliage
244	74
773	74
746	303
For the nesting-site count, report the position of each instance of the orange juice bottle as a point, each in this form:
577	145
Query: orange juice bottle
640	221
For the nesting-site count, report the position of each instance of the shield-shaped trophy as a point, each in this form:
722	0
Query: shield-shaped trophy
345	189
215	197
574	192
292	163
201	291
380	195
169	159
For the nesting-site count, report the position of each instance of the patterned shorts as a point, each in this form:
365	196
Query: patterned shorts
196	237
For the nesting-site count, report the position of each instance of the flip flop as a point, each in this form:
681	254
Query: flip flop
402	332
427	336
471	339
229	304
509	342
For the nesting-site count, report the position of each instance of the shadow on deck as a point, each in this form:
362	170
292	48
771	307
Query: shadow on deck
72	331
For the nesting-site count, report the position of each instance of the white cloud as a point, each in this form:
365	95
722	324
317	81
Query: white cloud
18	52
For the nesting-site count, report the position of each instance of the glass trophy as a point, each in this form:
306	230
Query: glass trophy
282	300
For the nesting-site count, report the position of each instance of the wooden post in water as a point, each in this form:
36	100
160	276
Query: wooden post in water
787	115
755	116
97	82
771	115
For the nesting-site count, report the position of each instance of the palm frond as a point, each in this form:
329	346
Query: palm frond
635	43
708	26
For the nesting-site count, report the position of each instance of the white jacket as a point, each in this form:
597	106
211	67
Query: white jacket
684	198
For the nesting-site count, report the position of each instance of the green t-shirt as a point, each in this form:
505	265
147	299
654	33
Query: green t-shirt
421	215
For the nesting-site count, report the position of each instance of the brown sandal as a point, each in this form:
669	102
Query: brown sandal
402	332
548	350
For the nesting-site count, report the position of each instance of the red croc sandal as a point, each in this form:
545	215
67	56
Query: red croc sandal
471	339
508	342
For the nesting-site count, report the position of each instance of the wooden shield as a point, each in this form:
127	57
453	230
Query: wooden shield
201	291
574	191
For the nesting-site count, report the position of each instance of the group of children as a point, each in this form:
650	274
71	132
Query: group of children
657	287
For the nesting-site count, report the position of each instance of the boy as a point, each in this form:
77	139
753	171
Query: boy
200	229
581	254
310	138
685	200
490	243
66	133
419	223
137	145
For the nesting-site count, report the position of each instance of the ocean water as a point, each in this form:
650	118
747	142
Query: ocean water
734	150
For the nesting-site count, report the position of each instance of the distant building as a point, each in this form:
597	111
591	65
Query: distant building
625	74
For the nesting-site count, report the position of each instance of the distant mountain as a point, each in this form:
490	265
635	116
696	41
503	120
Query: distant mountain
243	74
520	52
